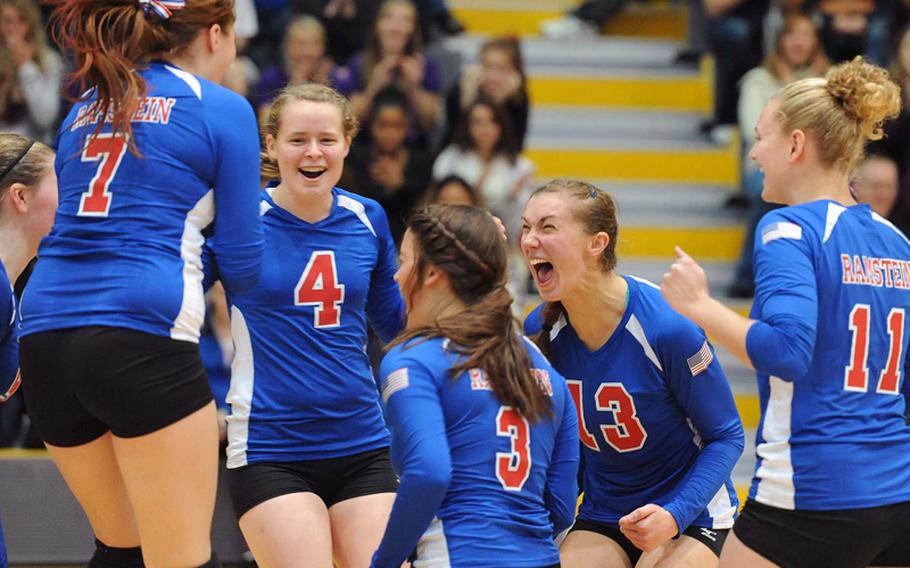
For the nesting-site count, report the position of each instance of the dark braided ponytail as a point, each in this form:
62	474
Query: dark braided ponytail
467	246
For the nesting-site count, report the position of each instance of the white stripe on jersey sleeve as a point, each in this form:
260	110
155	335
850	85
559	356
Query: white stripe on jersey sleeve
834	213
634	327
189	79
358	209
781	230
192	308
432	548
240	395
775	471
721	509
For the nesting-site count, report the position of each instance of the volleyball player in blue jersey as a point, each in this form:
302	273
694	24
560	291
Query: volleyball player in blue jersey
308	458
659	427
151	154
484	432
28	198
826	336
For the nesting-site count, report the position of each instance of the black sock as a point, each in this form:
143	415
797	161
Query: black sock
109	557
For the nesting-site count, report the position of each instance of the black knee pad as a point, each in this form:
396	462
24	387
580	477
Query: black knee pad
212	563
109	557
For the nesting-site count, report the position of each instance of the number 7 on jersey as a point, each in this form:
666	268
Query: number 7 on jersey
108	150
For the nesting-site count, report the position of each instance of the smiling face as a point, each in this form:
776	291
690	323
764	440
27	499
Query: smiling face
771	153
310	146
395	27
555	245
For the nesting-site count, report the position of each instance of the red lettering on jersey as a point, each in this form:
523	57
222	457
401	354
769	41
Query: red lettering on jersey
876	265
847	269
627	434
588	439
162	110
514	467
887	265
856	375
890	378
318	286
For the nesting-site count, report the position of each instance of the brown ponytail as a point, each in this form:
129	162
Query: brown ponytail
467	246
110	39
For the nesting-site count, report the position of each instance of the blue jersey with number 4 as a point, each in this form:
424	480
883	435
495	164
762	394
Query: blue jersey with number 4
481	486
301	383
125	249
658	421
830	348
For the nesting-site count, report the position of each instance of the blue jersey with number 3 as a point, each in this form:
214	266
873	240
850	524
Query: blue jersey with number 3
659	424
481	486
830	349
125	248
301	383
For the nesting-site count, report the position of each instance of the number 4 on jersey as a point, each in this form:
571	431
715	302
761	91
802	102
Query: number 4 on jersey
318	286
109	150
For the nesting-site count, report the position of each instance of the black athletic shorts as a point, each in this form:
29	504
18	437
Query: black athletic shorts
83	381
712	538
848	538
332	480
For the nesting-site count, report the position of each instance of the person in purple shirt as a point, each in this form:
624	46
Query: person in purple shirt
394	55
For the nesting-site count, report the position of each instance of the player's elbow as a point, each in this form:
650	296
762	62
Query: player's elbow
430	478
242	273
783	350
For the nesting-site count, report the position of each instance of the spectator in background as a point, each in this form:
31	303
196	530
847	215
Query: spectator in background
584	21
31	73
876	183
394	56
381	167
453	190
500	77
485	155
734	35
896	143
303	61
854	27
797	54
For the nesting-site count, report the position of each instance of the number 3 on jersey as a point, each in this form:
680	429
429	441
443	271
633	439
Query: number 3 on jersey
109	150
318	286
513	467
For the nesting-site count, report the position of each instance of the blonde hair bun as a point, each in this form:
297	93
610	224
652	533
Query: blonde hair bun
867	94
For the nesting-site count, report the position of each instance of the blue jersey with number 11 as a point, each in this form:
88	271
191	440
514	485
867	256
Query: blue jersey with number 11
830	348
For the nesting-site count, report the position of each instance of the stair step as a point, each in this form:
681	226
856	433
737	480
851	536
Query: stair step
523	18
594	56
592	126
718	166
703	243
683	93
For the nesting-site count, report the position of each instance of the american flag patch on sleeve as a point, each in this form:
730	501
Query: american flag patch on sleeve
396	381
781	230
701	360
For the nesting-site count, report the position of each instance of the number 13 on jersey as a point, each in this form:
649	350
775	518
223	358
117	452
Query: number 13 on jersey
318	286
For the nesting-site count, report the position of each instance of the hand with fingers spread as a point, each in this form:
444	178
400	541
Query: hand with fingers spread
685	286
649	527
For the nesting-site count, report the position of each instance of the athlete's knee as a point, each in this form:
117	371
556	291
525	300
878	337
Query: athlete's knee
109	557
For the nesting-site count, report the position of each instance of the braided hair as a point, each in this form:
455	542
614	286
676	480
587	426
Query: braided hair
465	244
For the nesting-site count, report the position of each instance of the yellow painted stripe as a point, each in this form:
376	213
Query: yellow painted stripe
749	409
703	243
717	166
742	491
665	22
16	453
659	93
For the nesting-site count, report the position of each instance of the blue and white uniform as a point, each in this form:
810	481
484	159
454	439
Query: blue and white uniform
9	346
480	485
301	384
658	421
125	248
830	346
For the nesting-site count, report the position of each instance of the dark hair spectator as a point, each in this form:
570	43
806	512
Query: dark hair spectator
453	190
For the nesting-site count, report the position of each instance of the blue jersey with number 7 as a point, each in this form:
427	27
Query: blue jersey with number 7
125	249
301	383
